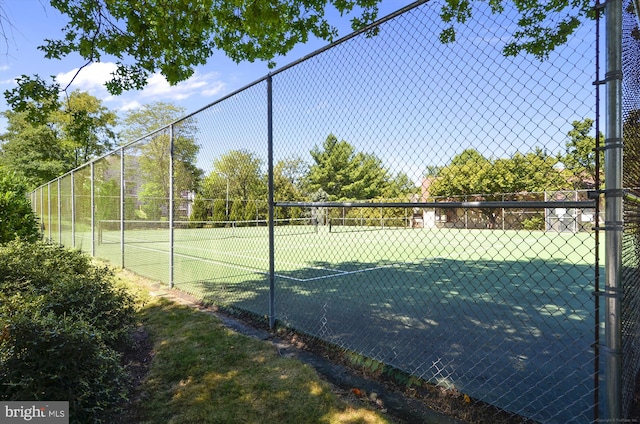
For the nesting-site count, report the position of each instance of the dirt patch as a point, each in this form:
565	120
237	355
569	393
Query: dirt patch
137	361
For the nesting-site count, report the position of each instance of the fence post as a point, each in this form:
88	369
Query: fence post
272	302
613	211
49	214
73	210
171	199
59	214
93	211
122	187
42	208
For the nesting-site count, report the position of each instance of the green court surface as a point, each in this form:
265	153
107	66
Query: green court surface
478	311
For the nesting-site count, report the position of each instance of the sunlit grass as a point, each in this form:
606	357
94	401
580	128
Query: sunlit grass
203	372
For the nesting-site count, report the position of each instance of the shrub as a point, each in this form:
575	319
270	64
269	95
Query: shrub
71	284
16	216
534	223
63	322
53	357
37	266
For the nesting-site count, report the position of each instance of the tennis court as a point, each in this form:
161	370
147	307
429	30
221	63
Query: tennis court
482	309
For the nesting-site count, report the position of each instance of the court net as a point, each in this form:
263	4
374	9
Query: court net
342	225
139	231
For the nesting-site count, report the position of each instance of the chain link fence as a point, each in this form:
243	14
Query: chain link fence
630	274
422	205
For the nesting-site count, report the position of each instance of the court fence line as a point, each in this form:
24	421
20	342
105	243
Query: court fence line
489	294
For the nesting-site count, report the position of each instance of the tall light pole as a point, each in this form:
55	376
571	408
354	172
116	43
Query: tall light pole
226	177
227	199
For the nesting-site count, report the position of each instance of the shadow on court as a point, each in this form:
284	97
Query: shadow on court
516	334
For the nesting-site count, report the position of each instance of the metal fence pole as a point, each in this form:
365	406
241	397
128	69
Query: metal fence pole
596	283
272	303
73	210
93	212
122	186
59	215
613	211
49	218
171	182
42	209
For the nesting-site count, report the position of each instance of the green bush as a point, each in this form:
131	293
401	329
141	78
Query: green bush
53	357
17	219
534	223
63	322
71	284
36	266
219	210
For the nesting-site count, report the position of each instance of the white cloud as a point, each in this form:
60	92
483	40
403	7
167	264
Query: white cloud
90	78
133	104
206	84
93	77
215	89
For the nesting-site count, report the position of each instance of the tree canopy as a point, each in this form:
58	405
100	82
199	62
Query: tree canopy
580	157
470	173
344	173
173	38
235	181
78	130
153	155
16	216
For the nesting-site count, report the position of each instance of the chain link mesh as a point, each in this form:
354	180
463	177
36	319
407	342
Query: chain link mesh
480	301
83	232
54	230
65	210
427	211
631	209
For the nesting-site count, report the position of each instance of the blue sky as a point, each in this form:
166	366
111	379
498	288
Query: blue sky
408	99
31	21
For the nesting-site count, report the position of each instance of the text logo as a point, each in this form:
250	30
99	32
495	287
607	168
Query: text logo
39	412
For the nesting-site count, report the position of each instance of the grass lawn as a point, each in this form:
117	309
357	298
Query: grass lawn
202	372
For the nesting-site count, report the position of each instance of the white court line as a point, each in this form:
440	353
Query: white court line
338	273
343	273
237	255
244	268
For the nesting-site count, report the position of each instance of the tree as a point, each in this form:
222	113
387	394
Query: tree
466	174
242	170
174	37
86	127
149	117
580	158
541	27
34	96
344	173
399	187
153	154
236	176
45	148
432	171
17	219
288	176
471	174
32	150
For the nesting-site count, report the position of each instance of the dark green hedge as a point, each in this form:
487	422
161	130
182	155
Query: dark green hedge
64	324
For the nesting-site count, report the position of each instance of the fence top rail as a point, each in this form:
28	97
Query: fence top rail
252	84
513	204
